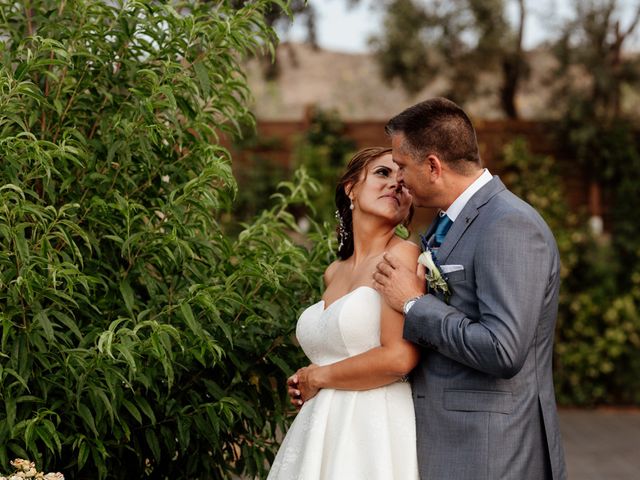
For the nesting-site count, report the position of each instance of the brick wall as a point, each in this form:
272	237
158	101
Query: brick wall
277	140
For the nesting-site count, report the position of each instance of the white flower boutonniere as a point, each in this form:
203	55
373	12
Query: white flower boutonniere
434	277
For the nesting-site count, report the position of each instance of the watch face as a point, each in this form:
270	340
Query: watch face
408	306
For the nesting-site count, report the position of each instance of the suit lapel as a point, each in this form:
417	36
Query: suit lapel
467	216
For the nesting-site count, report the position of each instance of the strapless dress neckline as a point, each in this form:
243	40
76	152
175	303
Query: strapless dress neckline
346	295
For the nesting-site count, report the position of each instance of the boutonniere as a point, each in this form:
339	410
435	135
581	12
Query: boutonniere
435	279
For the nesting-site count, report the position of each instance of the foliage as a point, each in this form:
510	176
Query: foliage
600	334
598	330
462	38
138	339
599	133
280	19
599	341
258	176
611	153
324	151
592	46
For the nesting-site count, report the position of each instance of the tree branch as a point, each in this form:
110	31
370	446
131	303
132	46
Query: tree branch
523	17
633	24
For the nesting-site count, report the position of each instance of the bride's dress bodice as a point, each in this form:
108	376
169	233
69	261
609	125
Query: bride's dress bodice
348	326
348	434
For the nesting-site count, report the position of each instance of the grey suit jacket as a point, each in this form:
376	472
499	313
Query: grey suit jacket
483	391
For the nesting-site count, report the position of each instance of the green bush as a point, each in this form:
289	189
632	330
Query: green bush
600	355
597	348
138	339
609	152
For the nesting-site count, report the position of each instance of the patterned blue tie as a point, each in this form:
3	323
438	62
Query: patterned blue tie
442	227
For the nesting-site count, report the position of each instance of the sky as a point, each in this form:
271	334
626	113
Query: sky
347	29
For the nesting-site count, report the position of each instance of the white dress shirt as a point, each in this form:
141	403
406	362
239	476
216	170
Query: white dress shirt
456	207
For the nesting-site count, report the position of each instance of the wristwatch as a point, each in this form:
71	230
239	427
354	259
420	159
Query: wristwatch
408	304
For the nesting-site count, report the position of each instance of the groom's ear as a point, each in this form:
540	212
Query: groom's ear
433	167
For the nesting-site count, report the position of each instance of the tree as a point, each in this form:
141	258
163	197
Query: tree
597	69
593	42
462	38
138	338
277	18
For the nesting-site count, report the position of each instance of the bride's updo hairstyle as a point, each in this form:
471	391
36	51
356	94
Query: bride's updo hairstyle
351	177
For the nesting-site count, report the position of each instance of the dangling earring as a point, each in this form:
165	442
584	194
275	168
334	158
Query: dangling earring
342	232
351	205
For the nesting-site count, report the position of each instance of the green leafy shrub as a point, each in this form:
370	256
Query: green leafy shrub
597	347
138	339
601	352
609	151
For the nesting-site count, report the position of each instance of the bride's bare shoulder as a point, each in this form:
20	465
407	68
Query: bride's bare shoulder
405	250
330	272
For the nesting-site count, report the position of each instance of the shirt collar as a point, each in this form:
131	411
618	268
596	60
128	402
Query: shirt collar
459	203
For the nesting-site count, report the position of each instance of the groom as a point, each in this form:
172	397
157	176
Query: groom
483	392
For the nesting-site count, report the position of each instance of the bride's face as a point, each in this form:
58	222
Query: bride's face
379	193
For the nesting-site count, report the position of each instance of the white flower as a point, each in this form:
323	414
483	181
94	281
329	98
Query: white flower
27	469
22	464
54	476
434	277
304	224
165	178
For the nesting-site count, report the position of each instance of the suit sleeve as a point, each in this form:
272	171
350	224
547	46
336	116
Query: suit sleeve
512	264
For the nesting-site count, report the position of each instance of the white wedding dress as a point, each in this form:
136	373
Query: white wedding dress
346	434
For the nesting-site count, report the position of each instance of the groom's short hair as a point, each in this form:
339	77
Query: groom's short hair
438	127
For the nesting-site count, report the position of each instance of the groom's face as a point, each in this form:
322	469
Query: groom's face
410	172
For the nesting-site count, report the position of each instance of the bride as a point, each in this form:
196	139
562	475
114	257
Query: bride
356	418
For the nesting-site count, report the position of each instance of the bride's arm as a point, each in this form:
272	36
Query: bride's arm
394	358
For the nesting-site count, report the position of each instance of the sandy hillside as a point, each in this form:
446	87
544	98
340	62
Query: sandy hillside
352	85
